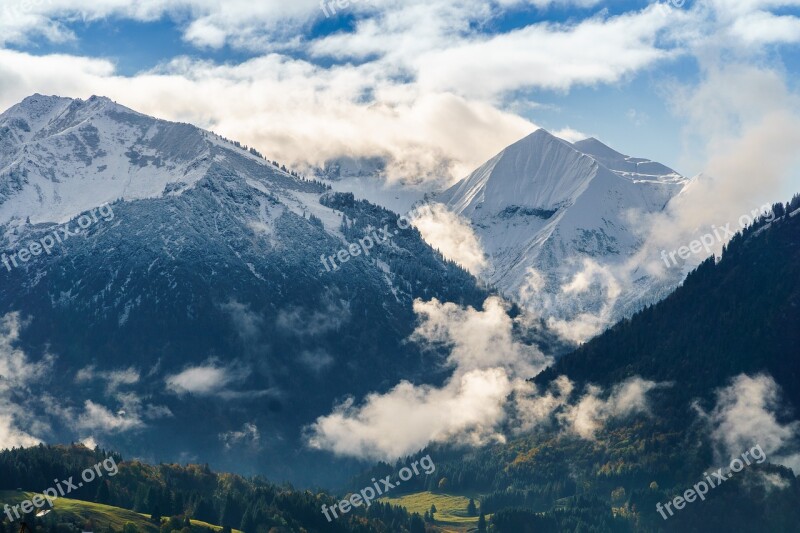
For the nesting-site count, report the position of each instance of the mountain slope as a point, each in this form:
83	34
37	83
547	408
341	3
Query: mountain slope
176	493
200	295
740	316
543	207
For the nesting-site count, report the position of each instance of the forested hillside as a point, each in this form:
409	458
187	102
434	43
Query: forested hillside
184	492
739	316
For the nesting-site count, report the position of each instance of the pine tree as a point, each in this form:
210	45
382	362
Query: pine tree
103	495
471	509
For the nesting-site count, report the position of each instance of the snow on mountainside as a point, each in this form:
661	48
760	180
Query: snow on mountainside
209	266
556	218
59	157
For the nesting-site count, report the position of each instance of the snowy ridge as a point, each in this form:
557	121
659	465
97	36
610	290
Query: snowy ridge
62	156
543	207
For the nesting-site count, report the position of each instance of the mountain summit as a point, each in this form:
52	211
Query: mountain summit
547	211
61	156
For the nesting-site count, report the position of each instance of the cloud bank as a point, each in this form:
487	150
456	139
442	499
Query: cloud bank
486	396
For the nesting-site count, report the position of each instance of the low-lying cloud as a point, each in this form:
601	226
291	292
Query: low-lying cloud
453	236
748	412
486	396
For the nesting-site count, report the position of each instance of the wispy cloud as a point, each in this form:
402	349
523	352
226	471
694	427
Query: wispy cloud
748	412
486	397
18	373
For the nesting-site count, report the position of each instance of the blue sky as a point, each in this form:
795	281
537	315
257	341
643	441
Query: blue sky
436	86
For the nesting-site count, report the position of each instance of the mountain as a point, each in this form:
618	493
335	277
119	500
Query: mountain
738	315
170	294
721	355
544	207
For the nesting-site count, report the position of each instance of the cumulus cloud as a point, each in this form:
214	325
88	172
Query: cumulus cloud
248	435
204	380
131	412
452	235
89	442
409	98
11	436
401	85
561	308
487	363
743	121
96	417
486	396
477	339
408	417
533	409
18	373
16	368
748	413
582	415
592	411
596	50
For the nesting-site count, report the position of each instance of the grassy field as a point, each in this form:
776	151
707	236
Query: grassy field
81	511
101	515
451	509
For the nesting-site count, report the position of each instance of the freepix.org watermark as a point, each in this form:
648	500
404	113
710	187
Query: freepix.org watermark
699	490
368	242
62	489
667	5
329	6
15	10
61	234
381	487
716	235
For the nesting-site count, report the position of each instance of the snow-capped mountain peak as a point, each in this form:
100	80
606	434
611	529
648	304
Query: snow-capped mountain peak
628	167
546	206
62	156
539	171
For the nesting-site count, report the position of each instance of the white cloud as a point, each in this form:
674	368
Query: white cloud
570	135
96	417
746	414
488	365
18	423
412	99
114	379
11	436
247	435
452	235
214	379
89	442
204	380
477	339
596	50
317	360
248	324
743	122
592	411
582	324
409	417
533	410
